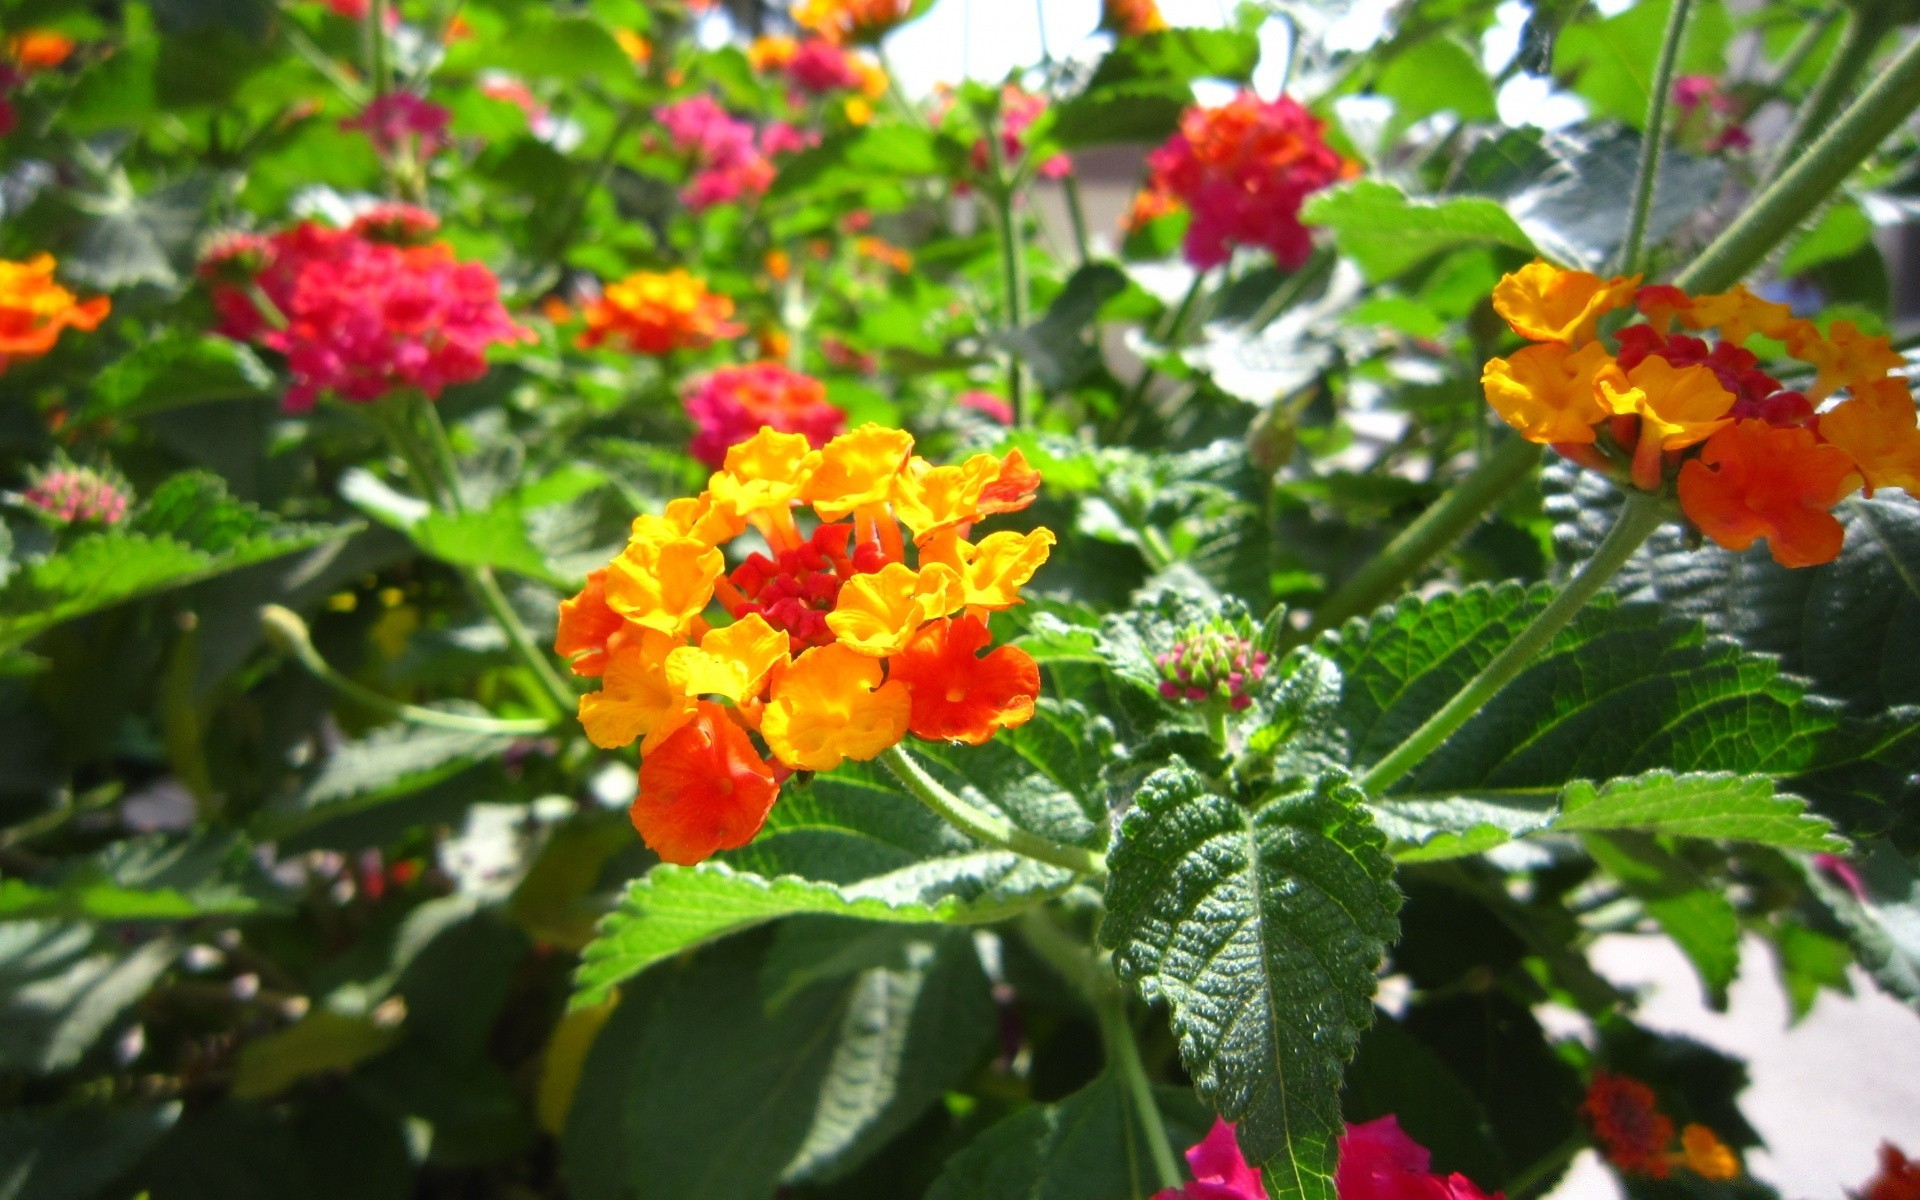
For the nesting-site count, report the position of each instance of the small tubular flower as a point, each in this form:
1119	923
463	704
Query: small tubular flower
34	309
1753	480
1843	356
1738	314
831	705
857	469
878	613
732	661
1548	391
817	633
636	698
1876	429
587	627
959	696
663	583
658	312
703	789
1706	1155
1681	406
931	500
1546	304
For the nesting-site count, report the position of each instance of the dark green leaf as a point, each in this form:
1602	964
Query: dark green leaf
1080	1147
1385	232
1698	918
60	989
75	1153
1261	927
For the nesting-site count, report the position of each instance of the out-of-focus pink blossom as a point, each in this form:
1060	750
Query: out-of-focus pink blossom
76	496
1707	120
398	121
734	403
1243	170
994	408
361	318
818	66
733	161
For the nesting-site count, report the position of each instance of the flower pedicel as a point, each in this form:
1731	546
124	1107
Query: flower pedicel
844	639
1657	408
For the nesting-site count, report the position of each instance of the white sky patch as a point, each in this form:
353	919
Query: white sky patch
1502	40
1531	100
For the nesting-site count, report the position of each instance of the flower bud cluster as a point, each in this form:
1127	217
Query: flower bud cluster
1211	663
76	495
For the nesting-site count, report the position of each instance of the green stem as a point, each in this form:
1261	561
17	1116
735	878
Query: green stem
1639	517
437	474
375	32
1123	1054
1654	135
1288	294
1092	976
985	826
1867	27
1807	183
1012	266
1432	532
288	632
1076	216
1546	1166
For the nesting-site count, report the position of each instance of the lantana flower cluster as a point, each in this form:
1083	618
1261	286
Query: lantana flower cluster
845	21
1638	1138
736	659
1242	170
1657	408
34	309
733	403
403	125
819	67
732	160
69	495
1131	18
362	311
1377	1161
658	312
24	55
1019	109
1212	663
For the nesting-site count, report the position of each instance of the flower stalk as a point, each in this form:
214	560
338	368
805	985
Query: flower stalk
1639	517
1867	26
1013	268
1653	135
290	636
1805	185
984	826
1433	531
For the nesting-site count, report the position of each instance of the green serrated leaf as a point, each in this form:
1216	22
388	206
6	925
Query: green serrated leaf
1386	232
390	763
1077	1148
178	369
1719	805
1261	926
1688	908
188	530
152	878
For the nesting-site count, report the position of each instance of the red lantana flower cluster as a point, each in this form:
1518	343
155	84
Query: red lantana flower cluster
833	646
1660	407
1243	170
357	313
401	123
734	403
1637	1137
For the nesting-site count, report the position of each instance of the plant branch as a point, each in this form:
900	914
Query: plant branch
1806	184
1866	28
1092	976
1013	268
1654	135
988	827
1638	518
1432	531
289	634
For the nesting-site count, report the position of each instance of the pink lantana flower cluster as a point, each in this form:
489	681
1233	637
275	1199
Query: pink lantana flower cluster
70	495
403	123
357	313
734	403
1378	1161
732	159
1243	170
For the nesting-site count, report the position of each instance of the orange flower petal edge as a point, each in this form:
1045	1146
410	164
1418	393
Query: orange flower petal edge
959	696
703	790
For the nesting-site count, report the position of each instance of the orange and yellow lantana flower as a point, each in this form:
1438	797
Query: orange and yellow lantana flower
1662	410
845	21
34	309
834	642
657	312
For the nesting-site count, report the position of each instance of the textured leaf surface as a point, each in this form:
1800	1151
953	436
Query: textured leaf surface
391	762
1623	690
59	991
1386	232
188	530
156	877
1261	927
1078	1148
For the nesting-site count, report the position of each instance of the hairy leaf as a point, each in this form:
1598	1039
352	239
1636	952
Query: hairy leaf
1079	1147
1261	926
1386	232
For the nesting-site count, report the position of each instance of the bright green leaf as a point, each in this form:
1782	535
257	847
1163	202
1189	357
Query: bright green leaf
1386	232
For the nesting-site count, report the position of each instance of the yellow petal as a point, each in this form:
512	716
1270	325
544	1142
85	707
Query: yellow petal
996	569
831	705
731	661
857	468
877	613
663	583
636	698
